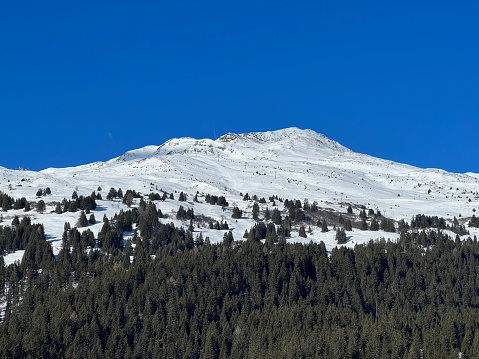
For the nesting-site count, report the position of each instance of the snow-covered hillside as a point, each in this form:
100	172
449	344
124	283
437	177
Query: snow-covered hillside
291	163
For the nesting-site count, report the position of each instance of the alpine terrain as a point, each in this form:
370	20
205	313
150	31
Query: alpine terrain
233	248
291	164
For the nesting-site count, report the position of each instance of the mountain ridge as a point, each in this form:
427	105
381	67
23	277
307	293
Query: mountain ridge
289	163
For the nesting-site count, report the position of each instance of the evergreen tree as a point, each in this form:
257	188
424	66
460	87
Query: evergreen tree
182	197
348	226
199	241
41	206
111	194
324	226
6	203
340	236
267	214
72	206
276	216
364	225
403	226
374	225
237	213
128	198
388	225
228	238
82	221
255	211
302	232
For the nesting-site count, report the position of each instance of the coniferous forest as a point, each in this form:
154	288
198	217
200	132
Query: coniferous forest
169	294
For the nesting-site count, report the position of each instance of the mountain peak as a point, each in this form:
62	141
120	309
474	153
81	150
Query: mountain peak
268	136
288	138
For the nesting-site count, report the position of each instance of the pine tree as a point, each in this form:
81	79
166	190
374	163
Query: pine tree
364	225
324	226
255	211
228	238
348	226
82	221
276	216
374	225
237	213
111	194
182	197
302	232
267	214
41	206
5	203
199	241
128	198
72	206
340	236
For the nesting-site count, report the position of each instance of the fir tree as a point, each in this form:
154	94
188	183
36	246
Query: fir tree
82	221
276	216
340	236
237	213
374	225
267	214
182	197
228	238
255	211
364	225
302	232
348	226
324	226
41	206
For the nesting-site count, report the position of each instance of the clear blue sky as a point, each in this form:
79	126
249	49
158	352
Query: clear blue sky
87	81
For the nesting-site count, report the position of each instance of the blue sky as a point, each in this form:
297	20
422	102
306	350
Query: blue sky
87	81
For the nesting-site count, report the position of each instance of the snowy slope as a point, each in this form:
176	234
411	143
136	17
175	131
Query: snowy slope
291	163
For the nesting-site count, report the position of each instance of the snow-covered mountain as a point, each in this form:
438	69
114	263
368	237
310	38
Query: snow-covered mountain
290	163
